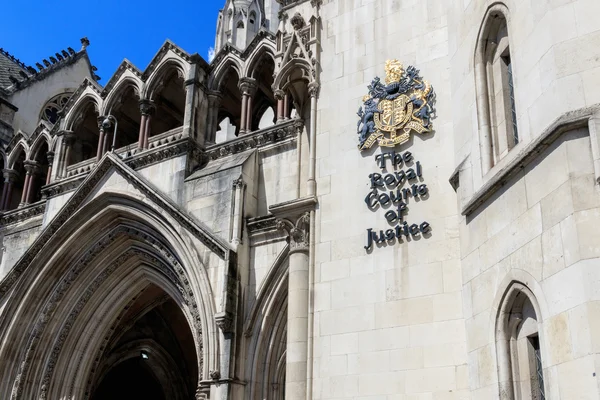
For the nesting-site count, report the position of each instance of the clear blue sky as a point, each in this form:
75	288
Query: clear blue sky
132	29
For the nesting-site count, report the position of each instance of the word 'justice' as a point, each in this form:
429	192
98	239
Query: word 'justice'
400	180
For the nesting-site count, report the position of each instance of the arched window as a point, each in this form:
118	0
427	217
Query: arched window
496	103
518	345
53	106
252	21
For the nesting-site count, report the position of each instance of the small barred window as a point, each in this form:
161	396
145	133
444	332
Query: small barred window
53	106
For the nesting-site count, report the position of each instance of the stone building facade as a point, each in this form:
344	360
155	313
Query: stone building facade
226	230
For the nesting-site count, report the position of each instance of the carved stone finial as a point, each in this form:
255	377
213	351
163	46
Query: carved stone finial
297	21
84	43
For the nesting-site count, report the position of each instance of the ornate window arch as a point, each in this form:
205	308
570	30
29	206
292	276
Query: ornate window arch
494	71
52	107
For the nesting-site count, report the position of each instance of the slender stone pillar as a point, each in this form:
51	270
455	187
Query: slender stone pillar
214	103
143	121
280	96
286	106
33	170
50	157
192	94
249	117
146	109
313	90
29	169
68	141
238	216
10	177
297	318
248	88
100	151
243	115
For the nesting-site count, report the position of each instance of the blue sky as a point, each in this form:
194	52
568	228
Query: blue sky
132	29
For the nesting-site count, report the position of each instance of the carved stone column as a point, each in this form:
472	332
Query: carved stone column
101	139
239	187
286	106
50	157
214	103
147	110
68	141
32	169
313	90
280	96
10	177
248	88
192	93
297	318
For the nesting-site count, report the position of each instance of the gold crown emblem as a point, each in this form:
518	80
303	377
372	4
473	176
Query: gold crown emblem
393	71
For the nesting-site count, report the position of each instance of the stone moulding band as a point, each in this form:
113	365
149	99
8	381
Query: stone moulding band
22	214
565	123
276	134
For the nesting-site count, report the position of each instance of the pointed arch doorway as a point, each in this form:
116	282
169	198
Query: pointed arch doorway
150	354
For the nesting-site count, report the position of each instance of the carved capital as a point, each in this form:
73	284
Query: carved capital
10	175
32	167
279	94
248	86
146	107
298	232
225	322
239	183
68	136
314	89
50	157
214	99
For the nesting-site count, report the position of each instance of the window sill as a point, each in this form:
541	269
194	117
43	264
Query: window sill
502	172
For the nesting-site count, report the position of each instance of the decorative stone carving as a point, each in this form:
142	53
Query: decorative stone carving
225	322
239	183
297	21
299	235
147	107
215	375
248	86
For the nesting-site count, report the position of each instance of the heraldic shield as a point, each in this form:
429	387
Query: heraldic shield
391	111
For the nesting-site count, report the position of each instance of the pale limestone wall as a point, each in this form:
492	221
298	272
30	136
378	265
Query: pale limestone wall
554	51
540	229
31	99
167	176
388	323
16	239
277	178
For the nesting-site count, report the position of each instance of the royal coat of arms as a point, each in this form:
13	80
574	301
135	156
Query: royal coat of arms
391	111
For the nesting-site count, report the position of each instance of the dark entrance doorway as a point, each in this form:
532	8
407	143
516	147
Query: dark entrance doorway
151	354
130	380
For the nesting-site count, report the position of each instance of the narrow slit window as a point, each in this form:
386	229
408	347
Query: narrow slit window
511	92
